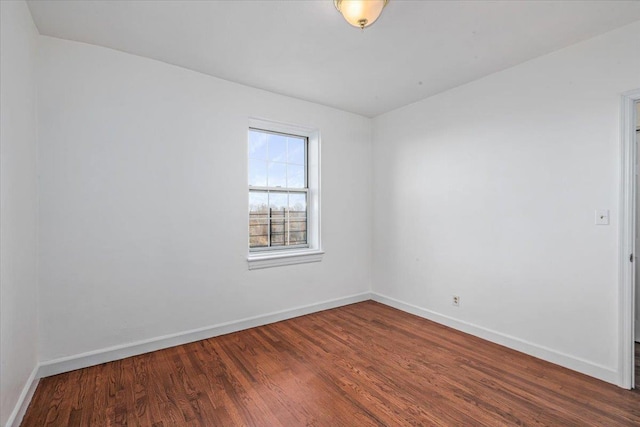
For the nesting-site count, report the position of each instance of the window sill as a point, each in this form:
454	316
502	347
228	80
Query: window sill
280	258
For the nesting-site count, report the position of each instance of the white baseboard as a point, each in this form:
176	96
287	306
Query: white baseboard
109	354
584	366
24	399
637	333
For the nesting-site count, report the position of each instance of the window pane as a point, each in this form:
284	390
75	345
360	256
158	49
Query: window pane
277	147
258	201
257	145
297	232
278	228
257	172
298	202
277	175
296	150
295	176
278	201
258	219
298	237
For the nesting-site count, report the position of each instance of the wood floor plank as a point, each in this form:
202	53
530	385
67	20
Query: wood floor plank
364	364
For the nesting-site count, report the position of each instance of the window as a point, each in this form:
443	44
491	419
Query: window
277	190
284	196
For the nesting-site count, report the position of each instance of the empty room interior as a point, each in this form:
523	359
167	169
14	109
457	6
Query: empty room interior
331	213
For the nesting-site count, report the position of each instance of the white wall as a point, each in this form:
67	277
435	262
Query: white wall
488	191
143	209
18	205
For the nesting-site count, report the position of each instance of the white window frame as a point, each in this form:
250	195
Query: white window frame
275	257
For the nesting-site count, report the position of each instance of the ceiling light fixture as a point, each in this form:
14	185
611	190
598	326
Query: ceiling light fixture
360	13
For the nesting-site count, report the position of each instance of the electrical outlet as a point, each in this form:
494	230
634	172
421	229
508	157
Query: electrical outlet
456	301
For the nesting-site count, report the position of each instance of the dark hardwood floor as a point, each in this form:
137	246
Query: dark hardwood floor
361	365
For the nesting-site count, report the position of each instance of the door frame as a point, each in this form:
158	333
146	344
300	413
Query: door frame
626	298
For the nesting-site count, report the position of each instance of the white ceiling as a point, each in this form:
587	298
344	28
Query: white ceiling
306	50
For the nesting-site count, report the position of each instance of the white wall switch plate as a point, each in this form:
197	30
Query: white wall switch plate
602	217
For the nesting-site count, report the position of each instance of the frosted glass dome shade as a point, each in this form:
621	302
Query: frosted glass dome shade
360	13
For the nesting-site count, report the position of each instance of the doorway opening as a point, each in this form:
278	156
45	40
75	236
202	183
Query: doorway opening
629	210
636	317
